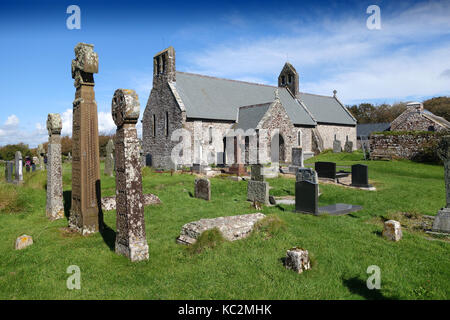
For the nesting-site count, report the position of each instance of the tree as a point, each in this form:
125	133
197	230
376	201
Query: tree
8	152
440	106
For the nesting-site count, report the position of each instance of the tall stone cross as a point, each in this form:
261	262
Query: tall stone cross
109	161
55	206
130	238
86	215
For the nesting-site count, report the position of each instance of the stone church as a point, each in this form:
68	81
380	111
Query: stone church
185	100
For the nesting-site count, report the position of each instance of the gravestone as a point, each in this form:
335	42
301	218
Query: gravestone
392	230
69	157
348	146
202	189
198	168
33	167
131	238
41	153
337	146
109	161
297	160
55	206
306	174
325	169
442	221
339	209
307	197
360	176
297	259
9	168
18	168
257	188
85	214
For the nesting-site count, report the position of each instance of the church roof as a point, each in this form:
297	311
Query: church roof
326	109
219	99
249	117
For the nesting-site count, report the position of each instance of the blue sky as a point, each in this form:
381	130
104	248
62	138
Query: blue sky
327	42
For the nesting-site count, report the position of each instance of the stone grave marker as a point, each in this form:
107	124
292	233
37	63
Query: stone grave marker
55	206
86	195
307	174
337	146
325	169
258	190
109	160
442	221
297	160
392	230
257	172
131	238
306	197
41	154
202	189
9	168
18	168
360	176
348	146
297	259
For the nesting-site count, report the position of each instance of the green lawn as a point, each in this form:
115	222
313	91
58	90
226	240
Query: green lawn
417	267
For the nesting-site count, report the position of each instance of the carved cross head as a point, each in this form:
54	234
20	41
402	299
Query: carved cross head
54	124
110	147
85	64
125	107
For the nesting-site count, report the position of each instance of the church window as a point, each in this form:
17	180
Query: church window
290	79
210	135
158	65
154	125
299	138
283	80
164	64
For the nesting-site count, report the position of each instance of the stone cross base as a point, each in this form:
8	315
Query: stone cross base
392	230
137	251
297	259
55	214
442	221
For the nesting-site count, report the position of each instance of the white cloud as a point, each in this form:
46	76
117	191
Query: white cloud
408	57
12	121
66	118
12	133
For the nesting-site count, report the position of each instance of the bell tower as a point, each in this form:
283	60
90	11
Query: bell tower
164	65
288	78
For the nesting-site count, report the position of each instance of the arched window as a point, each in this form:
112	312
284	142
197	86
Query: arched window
290	79
431	128
299	138
283	80
167	123
154	125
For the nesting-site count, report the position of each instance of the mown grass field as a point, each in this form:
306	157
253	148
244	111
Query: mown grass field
417	267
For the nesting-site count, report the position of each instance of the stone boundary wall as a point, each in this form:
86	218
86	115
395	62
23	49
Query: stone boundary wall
401	144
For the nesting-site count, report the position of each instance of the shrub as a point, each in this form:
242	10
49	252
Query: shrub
207	240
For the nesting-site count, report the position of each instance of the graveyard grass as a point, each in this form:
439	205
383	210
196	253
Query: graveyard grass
342	248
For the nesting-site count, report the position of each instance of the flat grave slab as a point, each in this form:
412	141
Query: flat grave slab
339	209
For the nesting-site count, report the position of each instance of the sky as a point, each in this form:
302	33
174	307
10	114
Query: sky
328	42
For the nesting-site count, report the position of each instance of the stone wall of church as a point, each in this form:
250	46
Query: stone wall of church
159	145
331	132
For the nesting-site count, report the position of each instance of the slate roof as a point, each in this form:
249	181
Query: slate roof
250	116
366	129
326	109
440	120
219	99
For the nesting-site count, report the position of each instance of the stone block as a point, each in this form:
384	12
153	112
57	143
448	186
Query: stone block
258	191
442	221
202	189
392	230
23	241
297	259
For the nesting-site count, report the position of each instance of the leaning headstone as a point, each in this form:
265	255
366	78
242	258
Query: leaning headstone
109	161
337	146
348	146
9	168
19	168
307	197
232	228
23	241
41	154
442	221
392	230
55	206
86	196
131	239
202	189
360	176
297	259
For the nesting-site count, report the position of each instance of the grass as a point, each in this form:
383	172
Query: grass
342	247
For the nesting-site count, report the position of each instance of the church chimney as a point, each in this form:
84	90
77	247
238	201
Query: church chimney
289	79
164	66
